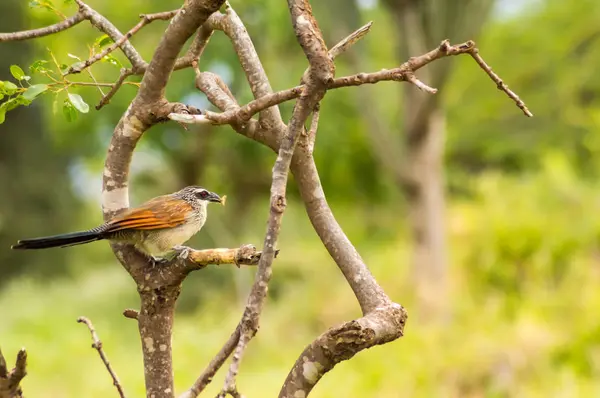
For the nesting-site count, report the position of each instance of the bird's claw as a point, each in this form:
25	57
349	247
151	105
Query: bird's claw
158	261
183	252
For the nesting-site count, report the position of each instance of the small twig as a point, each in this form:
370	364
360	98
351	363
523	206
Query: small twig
146	19
10	380
131	313
125	73
97	344
350	40
411	78
499	83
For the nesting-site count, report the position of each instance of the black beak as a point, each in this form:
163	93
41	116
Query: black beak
213	197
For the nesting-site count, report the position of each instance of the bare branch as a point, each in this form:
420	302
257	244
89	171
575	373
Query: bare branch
146	19
97	344
231	24
350	40
45	31
403	73
10	380
340	344
214	365
499	83
244	255
105	26
321	71
125	73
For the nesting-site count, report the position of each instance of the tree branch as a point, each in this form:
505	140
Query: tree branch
158	287
97	344
45	31
10	380
146	19
405	72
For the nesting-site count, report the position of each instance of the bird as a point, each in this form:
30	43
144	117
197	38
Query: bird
156	228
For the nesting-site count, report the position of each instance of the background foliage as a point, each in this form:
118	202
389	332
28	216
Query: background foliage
523	233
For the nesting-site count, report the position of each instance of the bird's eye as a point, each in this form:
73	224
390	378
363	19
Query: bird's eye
203	194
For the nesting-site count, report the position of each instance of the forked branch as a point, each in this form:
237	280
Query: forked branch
97	345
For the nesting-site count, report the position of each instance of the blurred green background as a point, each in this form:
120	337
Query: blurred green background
520	272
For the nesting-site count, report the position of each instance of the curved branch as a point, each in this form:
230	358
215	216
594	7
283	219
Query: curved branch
45	31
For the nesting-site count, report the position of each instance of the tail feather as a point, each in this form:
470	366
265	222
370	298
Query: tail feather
64	240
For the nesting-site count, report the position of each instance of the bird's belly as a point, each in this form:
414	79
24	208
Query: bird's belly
159	243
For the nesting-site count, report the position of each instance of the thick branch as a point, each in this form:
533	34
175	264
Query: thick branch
184	24
10	380
340	344
244	255
231	24
45	31
97	344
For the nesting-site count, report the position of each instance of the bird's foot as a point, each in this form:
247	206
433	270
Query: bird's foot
158	261
183	252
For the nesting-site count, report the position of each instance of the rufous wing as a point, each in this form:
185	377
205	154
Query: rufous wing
158	213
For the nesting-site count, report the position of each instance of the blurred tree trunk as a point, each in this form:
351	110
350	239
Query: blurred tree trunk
36	190
419	171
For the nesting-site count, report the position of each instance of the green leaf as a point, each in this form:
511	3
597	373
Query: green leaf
79	103
11	104
111	60
38	66
34	91
103	41
17	72
69	111
9	88
2	113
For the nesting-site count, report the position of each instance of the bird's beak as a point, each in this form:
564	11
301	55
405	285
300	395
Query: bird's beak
213	197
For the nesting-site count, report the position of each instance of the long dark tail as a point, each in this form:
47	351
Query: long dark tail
64	240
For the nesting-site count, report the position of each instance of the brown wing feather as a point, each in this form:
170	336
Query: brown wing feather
158	213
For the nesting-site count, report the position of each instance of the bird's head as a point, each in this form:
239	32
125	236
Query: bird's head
196	194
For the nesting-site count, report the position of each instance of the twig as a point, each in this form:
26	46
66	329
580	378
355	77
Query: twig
10	380
215	364
403	73
350	40
105	26
97	344
125	73
146	19
45	31
499	83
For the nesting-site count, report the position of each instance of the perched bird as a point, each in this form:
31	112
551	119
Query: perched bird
157	227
